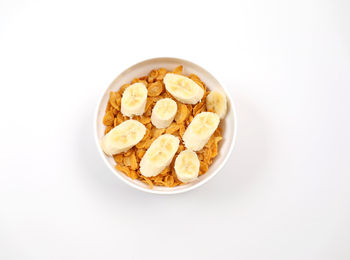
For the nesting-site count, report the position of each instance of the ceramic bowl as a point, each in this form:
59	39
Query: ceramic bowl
228	124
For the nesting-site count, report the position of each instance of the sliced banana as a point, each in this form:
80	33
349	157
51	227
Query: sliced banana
216	102
187	166
163	113
183	89
200	129
122	137
134	100
159	155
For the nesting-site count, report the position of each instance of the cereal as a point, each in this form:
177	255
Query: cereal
155	89
172	128
128	162
108	106
214	146
140	144
189	120
122	168
114	111
161	74
149	126
148	104
181	148
147	181
133	162
140	153
118	99
200	156
182	113
147	134
203	168
197	80
178	70
156	132
143	119
108	119
148	143
113	100
128	152
182	130
119	158
133	174
108	128
120	118
198	108
152	76
169	180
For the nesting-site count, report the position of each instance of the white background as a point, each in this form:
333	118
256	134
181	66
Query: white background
285	192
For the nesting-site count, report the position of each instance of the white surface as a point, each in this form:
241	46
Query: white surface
283	195
228	126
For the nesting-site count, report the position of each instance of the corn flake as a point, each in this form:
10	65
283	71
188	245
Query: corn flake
108	128
128	152
172	128
133	174
133	162
113	100
140	153
118	158
108	119
178	70
203	168
156	132
182	113
161	74
122	168
155	89
152	76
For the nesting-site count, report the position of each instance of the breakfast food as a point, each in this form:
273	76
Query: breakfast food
122	137
134	100
163	112
159	155
162	128
216	102
183	88
187	166
200	130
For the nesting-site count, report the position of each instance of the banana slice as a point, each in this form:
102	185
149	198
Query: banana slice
159	155
187	166
200	129
183	89
216	102
164	112
122	137
134	100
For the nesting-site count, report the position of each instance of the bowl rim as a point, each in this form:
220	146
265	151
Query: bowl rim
148	190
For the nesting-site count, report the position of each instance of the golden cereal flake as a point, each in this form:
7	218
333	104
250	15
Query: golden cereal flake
108	119
182	113
155	89
161	73
178	70
172	128
152	76
108	128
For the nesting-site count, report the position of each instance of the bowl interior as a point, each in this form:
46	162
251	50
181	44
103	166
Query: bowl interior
228	125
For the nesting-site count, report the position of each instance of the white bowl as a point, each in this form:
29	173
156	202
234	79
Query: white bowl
228	125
